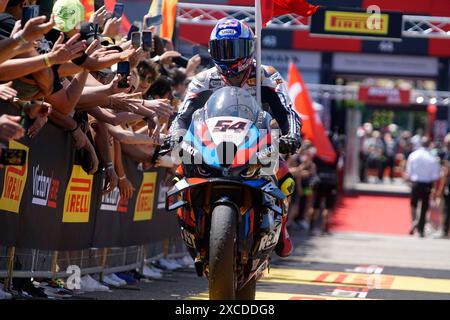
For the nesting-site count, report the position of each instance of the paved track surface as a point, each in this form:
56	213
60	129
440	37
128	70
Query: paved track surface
339	266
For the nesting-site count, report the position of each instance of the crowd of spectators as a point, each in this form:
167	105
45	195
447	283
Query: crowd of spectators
63	69
390	155
413	159
317	186
58	69
383	153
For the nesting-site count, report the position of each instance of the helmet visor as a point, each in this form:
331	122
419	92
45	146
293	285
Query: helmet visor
230	49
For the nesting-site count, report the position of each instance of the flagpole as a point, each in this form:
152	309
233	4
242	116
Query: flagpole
158	12
258	31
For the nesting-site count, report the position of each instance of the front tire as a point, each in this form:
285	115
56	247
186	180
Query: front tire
222	257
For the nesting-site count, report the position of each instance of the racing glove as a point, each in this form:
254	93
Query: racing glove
289	144
170	142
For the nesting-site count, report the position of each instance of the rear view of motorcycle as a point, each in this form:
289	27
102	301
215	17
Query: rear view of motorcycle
226	194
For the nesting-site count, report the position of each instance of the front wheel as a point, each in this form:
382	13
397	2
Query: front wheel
222	253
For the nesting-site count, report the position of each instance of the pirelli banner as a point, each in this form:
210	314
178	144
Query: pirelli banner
51	203
362	24
139	220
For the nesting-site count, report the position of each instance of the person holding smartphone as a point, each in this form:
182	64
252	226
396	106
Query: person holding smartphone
112	26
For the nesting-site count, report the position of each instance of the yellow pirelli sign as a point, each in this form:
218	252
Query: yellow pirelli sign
356	22
77	202
145	198
14	182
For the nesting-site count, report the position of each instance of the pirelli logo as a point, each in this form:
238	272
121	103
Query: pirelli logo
77	202
355	22
145	197
14	182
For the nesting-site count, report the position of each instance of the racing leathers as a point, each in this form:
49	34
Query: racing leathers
275	100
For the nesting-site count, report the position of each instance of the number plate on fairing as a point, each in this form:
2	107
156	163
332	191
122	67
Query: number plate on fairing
228	129
188	238
270	239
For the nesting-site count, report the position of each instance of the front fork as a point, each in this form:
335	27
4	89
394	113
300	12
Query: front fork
195	222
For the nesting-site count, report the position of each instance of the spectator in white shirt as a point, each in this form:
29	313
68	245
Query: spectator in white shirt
422	170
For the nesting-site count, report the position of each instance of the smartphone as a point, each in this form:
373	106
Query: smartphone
45	7
123	68
181	61
153	21
133	29
98	4
29	12
195	50
147	40
118	10
136	40
13	157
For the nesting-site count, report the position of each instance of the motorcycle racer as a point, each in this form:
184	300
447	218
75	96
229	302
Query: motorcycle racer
232	48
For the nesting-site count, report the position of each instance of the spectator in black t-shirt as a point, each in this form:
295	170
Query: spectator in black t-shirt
325	188
303	169
390	146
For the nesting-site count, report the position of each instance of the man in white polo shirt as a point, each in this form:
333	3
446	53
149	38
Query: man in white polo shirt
422	170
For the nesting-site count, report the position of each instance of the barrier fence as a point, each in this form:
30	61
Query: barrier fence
53	215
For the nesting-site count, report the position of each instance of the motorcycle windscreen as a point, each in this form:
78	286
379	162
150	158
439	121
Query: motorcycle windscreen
232	102
224	131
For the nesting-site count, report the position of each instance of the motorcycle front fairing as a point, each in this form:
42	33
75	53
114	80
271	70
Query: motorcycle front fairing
221	161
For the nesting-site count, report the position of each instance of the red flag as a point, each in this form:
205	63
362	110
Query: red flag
312	127
169	12
274	8
88	8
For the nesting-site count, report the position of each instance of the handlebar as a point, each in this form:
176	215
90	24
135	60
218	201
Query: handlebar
160	151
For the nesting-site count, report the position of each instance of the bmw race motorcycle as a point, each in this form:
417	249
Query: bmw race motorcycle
228	200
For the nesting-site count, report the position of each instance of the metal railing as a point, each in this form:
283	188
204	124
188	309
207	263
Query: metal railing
34	263
341	92
208	15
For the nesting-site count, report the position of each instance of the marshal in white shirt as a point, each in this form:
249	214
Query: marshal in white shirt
422	166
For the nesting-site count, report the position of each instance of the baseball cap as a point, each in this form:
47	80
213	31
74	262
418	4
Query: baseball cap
87	32
69	14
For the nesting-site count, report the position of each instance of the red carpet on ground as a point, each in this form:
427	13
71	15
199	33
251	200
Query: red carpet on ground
372	214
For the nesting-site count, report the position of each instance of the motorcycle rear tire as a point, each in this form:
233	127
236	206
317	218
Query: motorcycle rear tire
222	253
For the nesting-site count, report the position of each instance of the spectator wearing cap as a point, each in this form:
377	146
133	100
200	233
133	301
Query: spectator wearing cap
69	17
89	33
422	171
